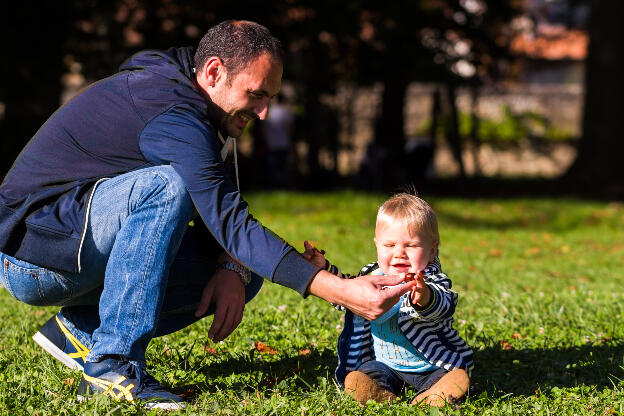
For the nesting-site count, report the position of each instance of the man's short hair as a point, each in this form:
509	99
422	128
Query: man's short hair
415	213
237	43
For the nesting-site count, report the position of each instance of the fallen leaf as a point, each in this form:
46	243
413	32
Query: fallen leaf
188	393
494	252
264	348
506	345
68	381
304	351
516	336
211	350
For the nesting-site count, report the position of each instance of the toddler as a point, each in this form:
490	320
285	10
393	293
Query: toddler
414	343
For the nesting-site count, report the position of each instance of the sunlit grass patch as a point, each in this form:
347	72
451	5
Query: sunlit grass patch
541	303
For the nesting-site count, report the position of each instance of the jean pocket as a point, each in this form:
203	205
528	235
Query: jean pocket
35	285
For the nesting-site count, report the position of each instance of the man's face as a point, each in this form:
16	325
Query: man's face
400	252
247	95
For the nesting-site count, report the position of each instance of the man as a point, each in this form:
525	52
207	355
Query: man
95	213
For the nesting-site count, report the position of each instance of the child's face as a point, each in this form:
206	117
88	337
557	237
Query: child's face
399	252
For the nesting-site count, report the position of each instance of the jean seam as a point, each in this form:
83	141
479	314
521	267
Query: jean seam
166	210
17	268
32	273
6	275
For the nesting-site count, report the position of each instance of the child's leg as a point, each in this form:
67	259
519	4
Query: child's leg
373	380
448	389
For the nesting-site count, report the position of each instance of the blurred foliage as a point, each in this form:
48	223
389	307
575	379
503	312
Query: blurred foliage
327	44
510	127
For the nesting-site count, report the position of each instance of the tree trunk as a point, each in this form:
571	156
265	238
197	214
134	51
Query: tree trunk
390	130
452	129
599	167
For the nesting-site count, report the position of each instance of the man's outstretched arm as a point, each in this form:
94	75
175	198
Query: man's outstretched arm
369	297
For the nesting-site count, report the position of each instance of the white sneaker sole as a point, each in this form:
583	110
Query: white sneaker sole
55	351
148	405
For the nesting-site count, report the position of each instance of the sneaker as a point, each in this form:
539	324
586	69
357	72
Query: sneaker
123	380
55	338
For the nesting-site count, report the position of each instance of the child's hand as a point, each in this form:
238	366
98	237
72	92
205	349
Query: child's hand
313	255
421	293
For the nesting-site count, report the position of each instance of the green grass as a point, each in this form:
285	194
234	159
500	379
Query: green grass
541	303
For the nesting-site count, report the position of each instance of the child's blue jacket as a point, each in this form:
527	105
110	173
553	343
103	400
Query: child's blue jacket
150	113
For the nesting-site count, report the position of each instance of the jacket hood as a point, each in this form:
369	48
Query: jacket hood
175	64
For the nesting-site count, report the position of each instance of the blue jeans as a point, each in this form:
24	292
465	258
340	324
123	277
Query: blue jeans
142	272
395	381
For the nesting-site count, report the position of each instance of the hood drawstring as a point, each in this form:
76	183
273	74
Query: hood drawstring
227	144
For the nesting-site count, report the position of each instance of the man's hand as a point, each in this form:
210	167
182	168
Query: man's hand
227	291
367	296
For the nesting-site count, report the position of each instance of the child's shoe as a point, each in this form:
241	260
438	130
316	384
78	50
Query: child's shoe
448	389
363	388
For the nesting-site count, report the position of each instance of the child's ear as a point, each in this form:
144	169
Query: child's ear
434	251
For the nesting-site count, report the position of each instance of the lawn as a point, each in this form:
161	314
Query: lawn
541	303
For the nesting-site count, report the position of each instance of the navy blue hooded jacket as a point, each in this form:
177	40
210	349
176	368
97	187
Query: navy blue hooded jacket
150	113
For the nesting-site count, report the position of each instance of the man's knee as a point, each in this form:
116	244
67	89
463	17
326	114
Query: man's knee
173	189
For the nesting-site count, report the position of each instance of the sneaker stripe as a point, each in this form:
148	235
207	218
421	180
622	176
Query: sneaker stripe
124	392
81	350
55	351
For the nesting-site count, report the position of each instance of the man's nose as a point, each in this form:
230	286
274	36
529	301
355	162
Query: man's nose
262	110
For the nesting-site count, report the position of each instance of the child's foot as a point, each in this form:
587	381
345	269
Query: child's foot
450	388
363	388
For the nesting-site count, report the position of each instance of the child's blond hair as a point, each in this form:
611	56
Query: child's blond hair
415	213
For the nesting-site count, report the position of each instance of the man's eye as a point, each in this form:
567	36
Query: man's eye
256	95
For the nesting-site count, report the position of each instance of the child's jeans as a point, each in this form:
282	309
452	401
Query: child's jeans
395	381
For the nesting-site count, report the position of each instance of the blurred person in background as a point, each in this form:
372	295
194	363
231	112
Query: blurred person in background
277	131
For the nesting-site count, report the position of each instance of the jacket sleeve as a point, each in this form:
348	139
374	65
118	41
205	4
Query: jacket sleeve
443	299
182	138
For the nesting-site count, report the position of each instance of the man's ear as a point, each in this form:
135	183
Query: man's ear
212	72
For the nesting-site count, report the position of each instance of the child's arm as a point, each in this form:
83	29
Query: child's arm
313	255
317	257
442	301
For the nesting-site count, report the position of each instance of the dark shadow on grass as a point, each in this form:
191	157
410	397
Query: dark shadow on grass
523	372
266	373
497	372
